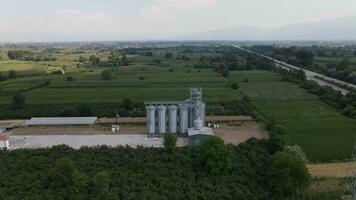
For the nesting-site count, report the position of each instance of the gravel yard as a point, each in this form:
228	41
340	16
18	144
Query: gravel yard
77	141
235	130
76	130
238	133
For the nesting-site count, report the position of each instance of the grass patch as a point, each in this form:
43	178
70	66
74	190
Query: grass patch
322	132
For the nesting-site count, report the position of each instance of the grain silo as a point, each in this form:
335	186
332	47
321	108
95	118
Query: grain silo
161	119
183	118
172	118
202	113
151	119
187	118
191	114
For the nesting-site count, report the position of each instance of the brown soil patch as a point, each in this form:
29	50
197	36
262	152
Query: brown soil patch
332	169
328	184
238	133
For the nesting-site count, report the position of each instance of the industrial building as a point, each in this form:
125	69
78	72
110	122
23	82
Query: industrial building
183	118
54	121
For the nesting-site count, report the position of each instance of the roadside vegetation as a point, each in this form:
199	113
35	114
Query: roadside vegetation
337	62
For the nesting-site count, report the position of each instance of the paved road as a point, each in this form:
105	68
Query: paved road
309	74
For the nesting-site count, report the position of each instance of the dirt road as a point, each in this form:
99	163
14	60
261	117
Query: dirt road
338	170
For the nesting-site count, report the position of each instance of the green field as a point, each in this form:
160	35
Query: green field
159	83
168	82
322	132
323	61
22	66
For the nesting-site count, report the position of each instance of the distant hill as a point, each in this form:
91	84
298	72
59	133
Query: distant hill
338	29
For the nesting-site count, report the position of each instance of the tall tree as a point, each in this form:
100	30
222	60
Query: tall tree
170	141
305	57
287	176
12	74
215	156
106	75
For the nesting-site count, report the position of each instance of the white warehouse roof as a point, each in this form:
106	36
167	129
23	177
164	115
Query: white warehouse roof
61	121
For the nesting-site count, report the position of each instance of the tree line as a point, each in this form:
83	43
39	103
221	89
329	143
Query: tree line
28	56
253	170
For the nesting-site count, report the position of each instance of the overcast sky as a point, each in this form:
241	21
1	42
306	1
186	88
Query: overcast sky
74	20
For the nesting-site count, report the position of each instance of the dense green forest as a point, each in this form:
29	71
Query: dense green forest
253	170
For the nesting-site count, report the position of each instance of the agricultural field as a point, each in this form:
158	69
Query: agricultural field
322	132
141	80
323	61
310	123
158	83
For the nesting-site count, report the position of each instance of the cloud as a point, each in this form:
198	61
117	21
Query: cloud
167	8
167	17
63	23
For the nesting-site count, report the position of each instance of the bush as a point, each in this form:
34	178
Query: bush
157	61
279	130
235	86
225	73
68	111
106	75
169	55
271	123
2	77
12	74
245	80
55	70
18	101
109	109
69	78
170	141
127	104
296	151
141	78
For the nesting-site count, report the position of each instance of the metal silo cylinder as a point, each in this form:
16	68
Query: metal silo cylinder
172	118
183	118
191	115
161	110
202	113
151	119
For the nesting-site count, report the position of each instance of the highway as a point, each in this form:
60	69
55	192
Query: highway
319	78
